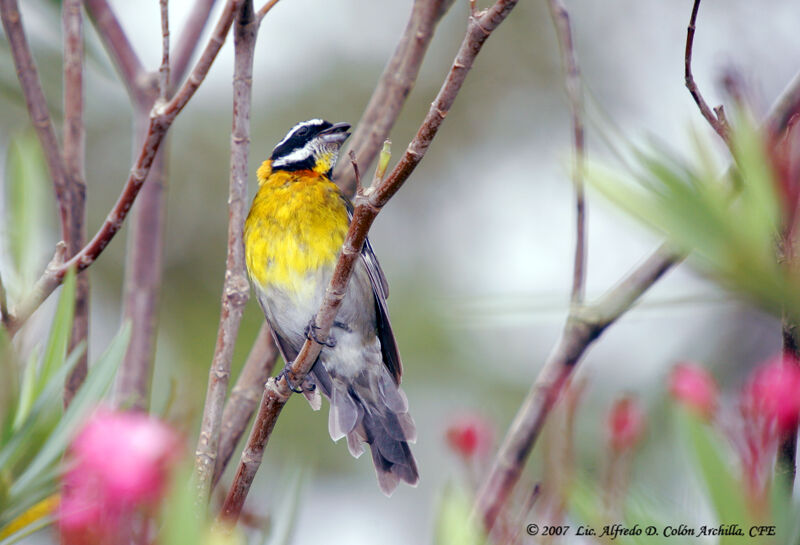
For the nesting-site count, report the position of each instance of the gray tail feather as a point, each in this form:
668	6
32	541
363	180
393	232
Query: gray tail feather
372	409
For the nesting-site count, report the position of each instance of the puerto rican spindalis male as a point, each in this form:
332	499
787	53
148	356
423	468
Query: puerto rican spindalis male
293	237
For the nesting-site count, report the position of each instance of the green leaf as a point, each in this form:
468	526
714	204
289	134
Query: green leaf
182	524
725	491
27	183
27	393
88	396
454	523
60	331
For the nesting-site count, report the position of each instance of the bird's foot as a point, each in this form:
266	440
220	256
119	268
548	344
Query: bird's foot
306	386
311	333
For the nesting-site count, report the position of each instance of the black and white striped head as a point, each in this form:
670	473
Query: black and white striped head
312	145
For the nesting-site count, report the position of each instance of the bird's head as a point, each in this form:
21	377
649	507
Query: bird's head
312	145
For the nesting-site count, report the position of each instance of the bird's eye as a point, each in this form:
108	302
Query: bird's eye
303	131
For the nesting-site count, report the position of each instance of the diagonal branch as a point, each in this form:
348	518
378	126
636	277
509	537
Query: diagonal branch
367	206
572	79
393	88
160	120
136	79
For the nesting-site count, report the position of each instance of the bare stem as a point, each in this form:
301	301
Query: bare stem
160	121
3	304
236	289
572	79
245	396
367	207
717	121
75	191
163	71
264	10
394	86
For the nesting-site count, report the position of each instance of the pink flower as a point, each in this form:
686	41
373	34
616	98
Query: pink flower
470	435
119	466
773	392
626	423
695	388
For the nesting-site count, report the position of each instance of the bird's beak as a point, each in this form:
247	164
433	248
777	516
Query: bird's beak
336	134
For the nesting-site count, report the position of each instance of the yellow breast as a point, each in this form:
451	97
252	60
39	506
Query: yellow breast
296	225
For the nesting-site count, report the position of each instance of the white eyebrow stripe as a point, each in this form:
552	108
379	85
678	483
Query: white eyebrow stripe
296	156
309	123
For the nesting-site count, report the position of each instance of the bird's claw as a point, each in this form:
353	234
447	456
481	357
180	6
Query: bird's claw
292	386
311	333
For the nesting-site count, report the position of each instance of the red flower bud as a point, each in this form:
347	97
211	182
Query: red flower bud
470	435
773	392
626	423
695	388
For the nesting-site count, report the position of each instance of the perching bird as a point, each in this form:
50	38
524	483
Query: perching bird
293	237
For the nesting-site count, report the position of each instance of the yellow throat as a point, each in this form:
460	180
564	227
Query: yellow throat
296	225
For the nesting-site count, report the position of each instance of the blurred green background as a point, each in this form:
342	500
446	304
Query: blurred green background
477	246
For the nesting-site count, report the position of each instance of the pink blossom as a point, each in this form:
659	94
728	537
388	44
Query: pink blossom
470	435
695	388
626	423
118	465
773	392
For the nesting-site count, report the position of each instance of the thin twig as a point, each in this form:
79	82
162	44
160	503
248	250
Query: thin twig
264	10
572	80
189	39
367	207
36	102
356	172
131	70
236	289
716	121
163	71
244	397
75	191
394	86
160	121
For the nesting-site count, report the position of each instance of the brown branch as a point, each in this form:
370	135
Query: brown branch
264	10
367	206
163	70
189	38
36	103
75	191
142	286
136	79
160	121
716	120
144	264
393	88
236	289
244	397
572	80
